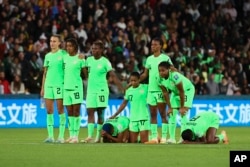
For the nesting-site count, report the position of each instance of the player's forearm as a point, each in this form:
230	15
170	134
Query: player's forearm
193	142
120	109
166	97
143	77
182	99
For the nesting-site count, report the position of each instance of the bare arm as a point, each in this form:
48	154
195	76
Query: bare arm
43	81
144	75
85	72
200	140
166	96
116	81
181	93
121	138
122	106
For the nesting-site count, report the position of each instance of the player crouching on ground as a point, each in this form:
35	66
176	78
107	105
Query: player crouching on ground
202	129
116	130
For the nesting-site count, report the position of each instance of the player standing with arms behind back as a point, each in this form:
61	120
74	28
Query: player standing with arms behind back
98	68
155	98
52	88
73	88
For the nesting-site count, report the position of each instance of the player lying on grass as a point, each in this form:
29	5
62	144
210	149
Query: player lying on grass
202	129
116	130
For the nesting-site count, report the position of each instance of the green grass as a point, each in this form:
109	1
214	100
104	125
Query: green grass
24	148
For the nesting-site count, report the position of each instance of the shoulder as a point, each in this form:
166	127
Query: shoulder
63	51
175	75
150	57
89	58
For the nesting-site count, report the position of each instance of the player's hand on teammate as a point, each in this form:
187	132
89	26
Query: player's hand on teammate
183	110
81	56
170	111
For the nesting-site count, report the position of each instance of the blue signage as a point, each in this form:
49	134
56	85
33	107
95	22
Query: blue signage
27	113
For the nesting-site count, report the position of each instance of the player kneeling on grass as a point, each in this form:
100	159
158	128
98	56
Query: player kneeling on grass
116	130
136	94
202	129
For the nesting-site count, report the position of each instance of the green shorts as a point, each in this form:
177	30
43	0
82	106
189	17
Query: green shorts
72	97
155	97
188	99
53	92
97	100
137	126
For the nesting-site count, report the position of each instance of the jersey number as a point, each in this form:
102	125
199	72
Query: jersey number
142	122
101	98
77	96
194	118
130	97
160	96
58	91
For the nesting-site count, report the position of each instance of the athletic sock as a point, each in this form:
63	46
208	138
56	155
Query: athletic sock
172	124
154	131
91	127
62	121
77	125
164	130
50	125
71	126
98	131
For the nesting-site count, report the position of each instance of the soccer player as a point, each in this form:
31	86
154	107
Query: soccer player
98	68
155	97
202	129
182	95
52	88
139	115
73	88
116	130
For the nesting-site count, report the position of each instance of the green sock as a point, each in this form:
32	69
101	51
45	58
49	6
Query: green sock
153	131
77	126
221	137
62	122
172	124
98	131
164	130
71	126
50	125
150	133
184	120
91	127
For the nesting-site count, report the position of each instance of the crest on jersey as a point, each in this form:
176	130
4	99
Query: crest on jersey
176	77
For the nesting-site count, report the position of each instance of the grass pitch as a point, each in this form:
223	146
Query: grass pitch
25	148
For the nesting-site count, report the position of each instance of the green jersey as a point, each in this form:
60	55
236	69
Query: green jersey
120	124
54	64
152	63
138	103
201	122
97	74
174	79
72	72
